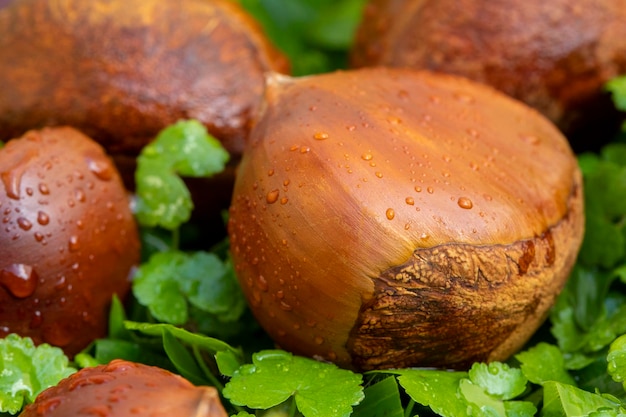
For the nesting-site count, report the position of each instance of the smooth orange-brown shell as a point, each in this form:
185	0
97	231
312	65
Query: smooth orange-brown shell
68	238
385	218
553	55
124	389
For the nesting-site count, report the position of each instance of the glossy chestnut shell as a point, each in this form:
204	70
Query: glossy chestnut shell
553	55
68	239
394	218
124	389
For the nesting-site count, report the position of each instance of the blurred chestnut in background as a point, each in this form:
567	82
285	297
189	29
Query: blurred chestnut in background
553	55
68	239
124	389
122	70
394	218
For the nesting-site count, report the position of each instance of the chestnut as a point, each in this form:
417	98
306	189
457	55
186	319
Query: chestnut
122	70
395	218
68	239
553	55
124	389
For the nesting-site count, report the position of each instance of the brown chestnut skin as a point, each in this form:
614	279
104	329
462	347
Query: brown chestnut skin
124	389
553	55
122	70
68	239
394	218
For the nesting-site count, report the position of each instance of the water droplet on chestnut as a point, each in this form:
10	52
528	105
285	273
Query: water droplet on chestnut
465	203
272	196
19	279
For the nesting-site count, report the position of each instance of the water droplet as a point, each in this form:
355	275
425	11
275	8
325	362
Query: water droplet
351	128
394	120
19	279
320	136
472	132
367	156
272	196
36	319
39	237
42	218
430	190
530	139
464	98
418	189
390	213
24	223
262	283
410	201
424	236
12	180
73	244
465	203
305	149
100	168
379	174
270	172
285	307
319	340
79	195
284	200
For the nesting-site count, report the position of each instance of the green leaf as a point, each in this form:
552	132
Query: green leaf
227	362
617	360
544	362
172	280
26	370
155	287
184	149
438	390
617	87
184	362
498	379
209	344
382	399
562	400
320	389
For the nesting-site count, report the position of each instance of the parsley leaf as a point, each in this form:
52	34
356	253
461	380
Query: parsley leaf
185	149
381	399
172	281
319	31
562	400
26	370
498	379
617	87
319	389
544	362
617	360
437	389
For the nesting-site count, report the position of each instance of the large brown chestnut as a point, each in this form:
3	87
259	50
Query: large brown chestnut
125	389
68	240
553	55
122	70
394	218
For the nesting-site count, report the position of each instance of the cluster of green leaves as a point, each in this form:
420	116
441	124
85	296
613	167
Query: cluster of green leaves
314	34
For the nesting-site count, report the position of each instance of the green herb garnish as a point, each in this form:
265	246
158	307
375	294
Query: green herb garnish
26	370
